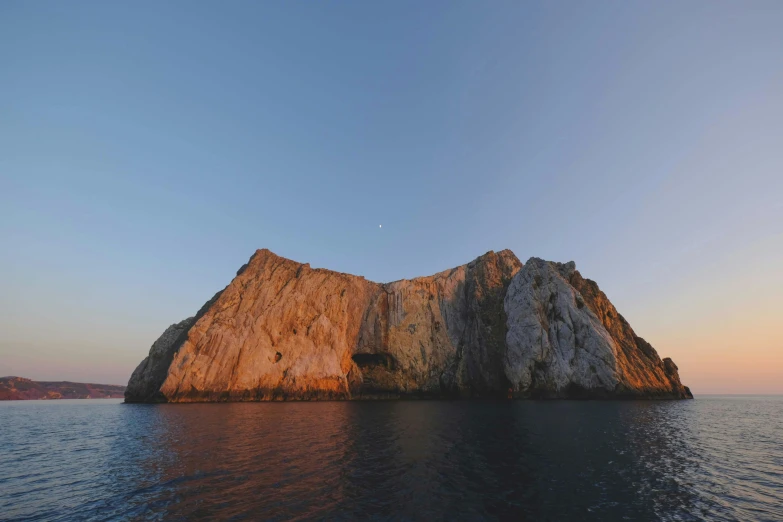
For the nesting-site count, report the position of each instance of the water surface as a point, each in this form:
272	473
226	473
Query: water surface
715	457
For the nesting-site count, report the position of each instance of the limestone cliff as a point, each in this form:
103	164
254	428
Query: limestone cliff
282	330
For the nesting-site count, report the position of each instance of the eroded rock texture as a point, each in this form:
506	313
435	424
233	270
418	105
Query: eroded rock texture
565	339
282	330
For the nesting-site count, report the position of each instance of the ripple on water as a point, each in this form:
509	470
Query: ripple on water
715	457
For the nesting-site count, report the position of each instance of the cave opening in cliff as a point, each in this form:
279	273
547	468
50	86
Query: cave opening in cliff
364	360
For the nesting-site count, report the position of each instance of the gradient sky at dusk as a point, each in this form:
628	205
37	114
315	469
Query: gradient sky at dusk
148	148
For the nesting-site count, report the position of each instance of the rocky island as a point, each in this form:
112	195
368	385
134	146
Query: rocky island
494	327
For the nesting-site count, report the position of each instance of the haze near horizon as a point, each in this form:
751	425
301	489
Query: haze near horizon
147	150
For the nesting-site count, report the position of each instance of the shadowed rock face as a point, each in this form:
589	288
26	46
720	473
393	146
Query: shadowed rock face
565	339
282	330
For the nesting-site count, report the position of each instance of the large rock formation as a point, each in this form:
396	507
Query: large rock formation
282	330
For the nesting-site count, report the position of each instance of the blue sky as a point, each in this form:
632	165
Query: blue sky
147	149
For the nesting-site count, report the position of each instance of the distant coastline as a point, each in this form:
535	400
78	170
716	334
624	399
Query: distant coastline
22	389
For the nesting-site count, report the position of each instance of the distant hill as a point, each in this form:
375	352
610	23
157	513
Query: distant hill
20	389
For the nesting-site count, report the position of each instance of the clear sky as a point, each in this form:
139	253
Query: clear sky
148	148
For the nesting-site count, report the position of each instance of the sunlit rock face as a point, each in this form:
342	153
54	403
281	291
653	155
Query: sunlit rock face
492	328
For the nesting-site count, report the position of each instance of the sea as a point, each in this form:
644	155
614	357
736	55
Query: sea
712	458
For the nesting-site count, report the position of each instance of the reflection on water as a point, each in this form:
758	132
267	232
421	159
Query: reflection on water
716	457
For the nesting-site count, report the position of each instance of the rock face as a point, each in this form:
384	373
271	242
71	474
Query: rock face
492	328
565	339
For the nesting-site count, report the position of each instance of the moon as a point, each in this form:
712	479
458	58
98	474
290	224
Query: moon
380	226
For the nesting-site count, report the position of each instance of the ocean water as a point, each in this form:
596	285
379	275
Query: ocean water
716	458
